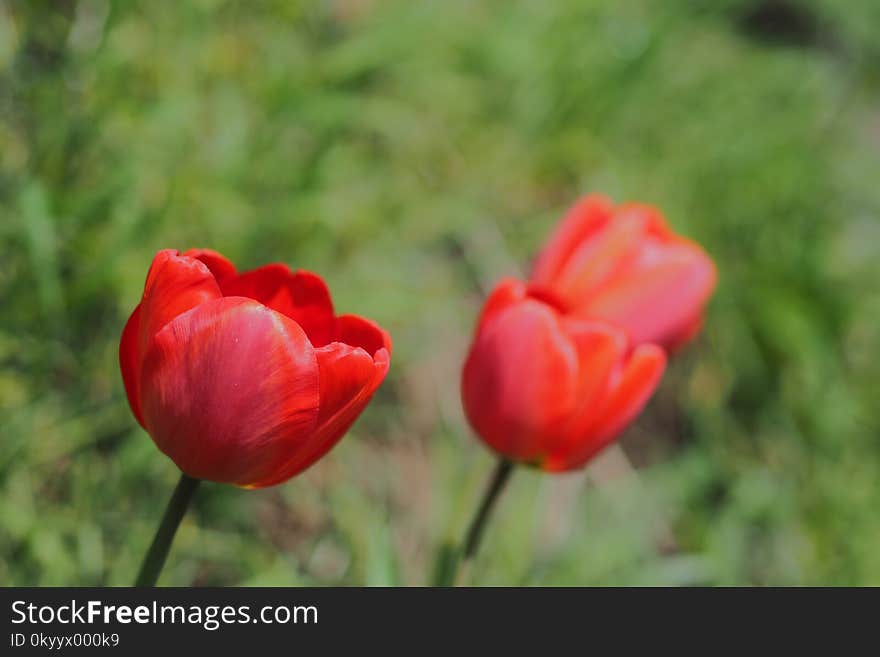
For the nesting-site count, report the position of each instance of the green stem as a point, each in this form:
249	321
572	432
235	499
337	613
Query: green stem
158	552
499	479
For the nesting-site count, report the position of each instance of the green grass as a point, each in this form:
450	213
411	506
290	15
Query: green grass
412	153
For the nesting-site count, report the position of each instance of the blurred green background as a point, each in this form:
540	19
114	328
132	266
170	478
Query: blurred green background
412	153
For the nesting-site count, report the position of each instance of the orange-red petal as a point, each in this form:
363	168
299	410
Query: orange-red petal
599	259
357	331
348	378
601	348
219	265
657	296
174	285
589	215
624	265
230	390
626	399
520	380
301	295
506	293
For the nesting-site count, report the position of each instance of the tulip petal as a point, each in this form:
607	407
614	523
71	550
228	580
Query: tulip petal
636	384
348	378
600	259
508	292
580	223
220	267
174	285
301	295
600	347
230	390
344	371
130	362
520	380
655	222
357	331
625	265
654	298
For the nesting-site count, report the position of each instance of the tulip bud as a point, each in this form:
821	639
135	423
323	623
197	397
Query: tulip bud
548	389
245	378
625	266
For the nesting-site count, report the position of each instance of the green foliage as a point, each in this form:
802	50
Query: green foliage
412	153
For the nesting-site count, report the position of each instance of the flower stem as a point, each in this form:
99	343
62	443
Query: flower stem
499	479
158	552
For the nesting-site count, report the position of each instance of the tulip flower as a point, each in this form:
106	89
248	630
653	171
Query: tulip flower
548	389
624	265
551	390
245	378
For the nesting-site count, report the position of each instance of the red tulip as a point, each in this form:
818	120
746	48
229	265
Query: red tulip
548	389
624	265
245	378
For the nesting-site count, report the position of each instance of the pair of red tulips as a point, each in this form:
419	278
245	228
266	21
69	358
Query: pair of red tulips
249	378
